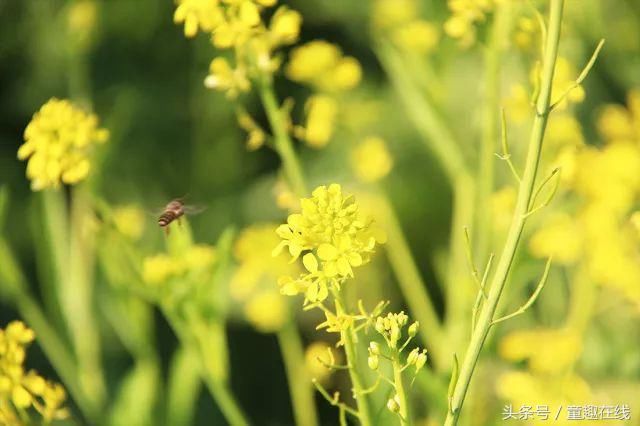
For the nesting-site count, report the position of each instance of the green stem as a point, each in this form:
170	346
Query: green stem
519	216
405	409
302	396
349	340
410	281
282	140
199	339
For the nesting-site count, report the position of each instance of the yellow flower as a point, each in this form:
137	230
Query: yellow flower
256	136
157	269
22	390
198	14
129	221
58	143
335	238
390	13
464	15
418	36
518	103
560	238
526	32
371	160
257	269
322	66
619	124
226	79
548	351
285	26
321	115
318	356
267	311
239	26
81	21
521	388
200	256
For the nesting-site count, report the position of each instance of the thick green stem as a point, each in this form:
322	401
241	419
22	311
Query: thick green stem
405	409
282	141
302	393
519	216
350	349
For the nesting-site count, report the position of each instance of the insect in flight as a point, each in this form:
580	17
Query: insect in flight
173	211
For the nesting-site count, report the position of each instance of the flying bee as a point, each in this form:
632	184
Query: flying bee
173	211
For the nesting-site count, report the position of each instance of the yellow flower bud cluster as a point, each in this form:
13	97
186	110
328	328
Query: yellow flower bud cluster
399	21
323	67
58	143
19	390
333	239
254	282
160	268
238	25
390	327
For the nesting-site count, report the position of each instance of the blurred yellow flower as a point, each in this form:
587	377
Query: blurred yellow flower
390	13
418	36
257	269
267	311
526	32
560	238
129	221
256	136
502	203
226	79
547	351
20	390
464	15
322	66
160	268
81	22
196	15
58	143
619	124
321	113
518	103
371	160
521	388
285	26
318	356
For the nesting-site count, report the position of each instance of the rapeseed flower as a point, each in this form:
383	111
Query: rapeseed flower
20	390
333	238
321	111
399	21
58	143
129	221
203	15
160	268
319	357
267	311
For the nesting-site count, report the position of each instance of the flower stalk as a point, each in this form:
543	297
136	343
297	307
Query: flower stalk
525	192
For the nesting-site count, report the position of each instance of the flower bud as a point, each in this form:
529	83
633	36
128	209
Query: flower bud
413	329
393	405
421	360
413	356
395	336
373	362
380	325
374	348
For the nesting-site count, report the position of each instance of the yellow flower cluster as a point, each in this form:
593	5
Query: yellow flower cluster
370	160
58	143
20	390
129	221
237	25
162	267
551	356
606	182
254	282
465	14
333	239
323	67
399	21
